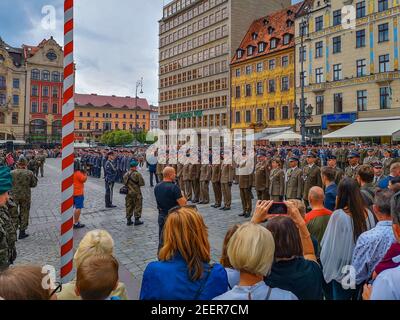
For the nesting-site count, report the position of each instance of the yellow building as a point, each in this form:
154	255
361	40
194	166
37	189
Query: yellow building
262	74
96	114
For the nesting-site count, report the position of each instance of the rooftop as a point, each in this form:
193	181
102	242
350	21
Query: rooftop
99	101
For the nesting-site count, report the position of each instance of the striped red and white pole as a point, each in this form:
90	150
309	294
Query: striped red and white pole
67	220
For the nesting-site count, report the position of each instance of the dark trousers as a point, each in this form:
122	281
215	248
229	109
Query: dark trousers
109	193
153	174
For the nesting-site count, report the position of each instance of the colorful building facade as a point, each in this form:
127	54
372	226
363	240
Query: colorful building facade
262	74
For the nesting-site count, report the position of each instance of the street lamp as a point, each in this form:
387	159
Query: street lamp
139	84
303	114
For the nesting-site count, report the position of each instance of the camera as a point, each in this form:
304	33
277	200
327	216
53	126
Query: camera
278	208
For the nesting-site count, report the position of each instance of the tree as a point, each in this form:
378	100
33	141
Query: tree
117	138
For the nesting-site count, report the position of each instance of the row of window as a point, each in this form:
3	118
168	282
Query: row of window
272	115
108	126
45	75
45	108
110	115
261	66
188	14
262	46
259	87
194	27
361	69
198	122
15	99
195	43
3	83
55	91
14	118
200	88
202	104
206	71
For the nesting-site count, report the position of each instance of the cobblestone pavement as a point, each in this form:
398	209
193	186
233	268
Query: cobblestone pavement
135	247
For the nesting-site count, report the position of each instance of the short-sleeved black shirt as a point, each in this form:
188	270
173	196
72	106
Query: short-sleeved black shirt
167	194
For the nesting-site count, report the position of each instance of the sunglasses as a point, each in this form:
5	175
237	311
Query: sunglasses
176	208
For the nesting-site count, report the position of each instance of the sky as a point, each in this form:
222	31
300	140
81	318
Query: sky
116	42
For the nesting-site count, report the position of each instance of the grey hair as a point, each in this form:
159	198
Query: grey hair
395	208
382	200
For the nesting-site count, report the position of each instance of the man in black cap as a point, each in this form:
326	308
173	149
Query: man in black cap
110	176
332	163
311	175
294	180
378	173
354	162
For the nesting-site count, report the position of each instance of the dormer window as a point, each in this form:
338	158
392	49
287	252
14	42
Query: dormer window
286	39
265	21
261	46
274	43
270	30
289	23
250	50
289	12
240	53
254	35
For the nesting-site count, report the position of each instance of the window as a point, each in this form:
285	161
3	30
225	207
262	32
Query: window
238	72
88	126
271	64
361	67
45	107
286	39
2	99
55	76
319	102
285	112
383	5
260	88
250	50
237	92
35	91
360	38
338	103
55	108
259	115
55	92
319	75
285	61
35	74
337	17
337	72
261	47
248	90
360	9
237	117
45	91
271	114
303	27
384	63
383	32
248	116
361	100
337	44
318	49
249	69
384	94
239	54
16	83
260	67
271	86
46	75
319	23
302	54
14	118
273	43
15	100
34	107
81	114
285	84
80	125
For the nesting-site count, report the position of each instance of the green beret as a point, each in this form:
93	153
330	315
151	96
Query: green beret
5	180
134	163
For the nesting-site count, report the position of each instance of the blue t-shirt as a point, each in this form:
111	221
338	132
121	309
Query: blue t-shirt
167	194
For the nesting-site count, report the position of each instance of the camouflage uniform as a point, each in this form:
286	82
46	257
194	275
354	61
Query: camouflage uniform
133	200
40	160
23	181
8	237
33	166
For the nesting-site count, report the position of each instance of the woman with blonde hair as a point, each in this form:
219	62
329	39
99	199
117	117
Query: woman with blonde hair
95	242
251	250
183	271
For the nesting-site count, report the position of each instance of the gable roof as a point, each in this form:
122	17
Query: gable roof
100	101
277	22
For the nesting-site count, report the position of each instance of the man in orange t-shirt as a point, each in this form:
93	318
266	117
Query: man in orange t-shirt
80	178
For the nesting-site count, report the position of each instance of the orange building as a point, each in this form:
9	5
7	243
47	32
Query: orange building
97	114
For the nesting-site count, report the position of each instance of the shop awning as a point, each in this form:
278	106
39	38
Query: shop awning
372	127
285	136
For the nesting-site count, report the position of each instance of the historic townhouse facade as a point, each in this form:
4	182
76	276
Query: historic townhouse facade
198	39
262	71
12	93
350	71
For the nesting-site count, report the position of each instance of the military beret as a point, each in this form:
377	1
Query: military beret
134	163
5	180
353	154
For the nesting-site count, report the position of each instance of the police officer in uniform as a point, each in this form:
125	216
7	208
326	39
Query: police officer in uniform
294	180
378	173
276	180
354	162
110	176
332	162
134	199
261	176
311	175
